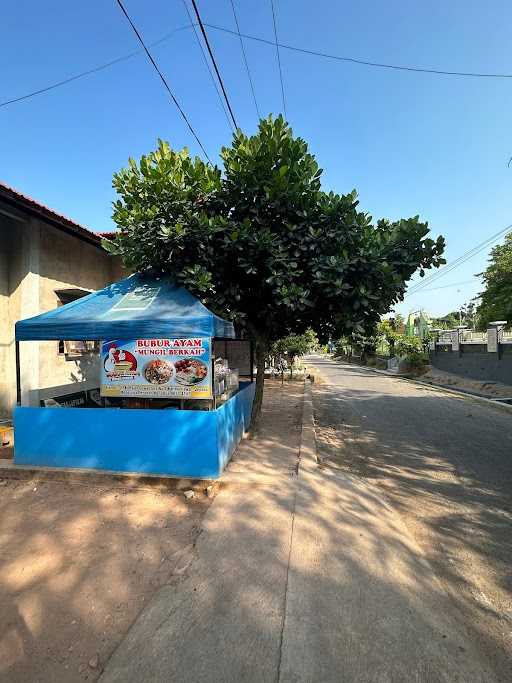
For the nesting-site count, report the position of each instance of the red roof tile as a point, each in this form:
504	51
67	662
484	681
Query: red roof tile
59	220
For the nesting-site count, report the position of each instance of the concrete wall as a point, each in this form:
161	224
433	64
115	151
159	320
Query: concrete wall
475	362
36	259
6	333
66	262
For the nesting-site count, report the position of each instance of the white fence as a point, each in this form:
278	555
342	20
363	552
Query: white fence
472	337
492	338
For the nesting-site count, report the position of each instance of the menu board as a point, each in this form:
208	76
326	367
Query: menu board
157	368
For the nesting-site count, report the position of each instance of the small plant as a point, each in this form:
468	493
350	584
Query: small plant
417	359
404	346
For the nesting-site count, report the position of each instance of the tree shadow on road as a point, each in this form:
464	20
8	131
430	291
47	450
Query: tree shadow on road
361	602
445	464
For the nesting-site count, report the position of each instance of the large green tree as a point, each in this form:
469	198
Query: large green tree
261	242
496	299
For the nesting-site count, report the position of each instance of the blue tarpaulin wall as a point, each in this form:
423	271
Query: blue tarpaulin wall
137	307
179	443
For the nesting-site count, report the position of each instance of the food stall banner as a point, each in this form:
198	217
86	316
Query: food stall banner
157	368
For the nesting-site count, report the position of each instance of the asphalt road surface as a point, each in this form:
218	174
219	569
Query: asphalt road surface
445	464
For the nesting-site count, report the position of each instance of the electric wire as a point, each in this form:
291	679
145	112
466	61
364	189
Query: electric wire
162	78
463	257
222	104
203	31
458	262
422	286
94	70
363	62
450	286
314	53
245	60
278	58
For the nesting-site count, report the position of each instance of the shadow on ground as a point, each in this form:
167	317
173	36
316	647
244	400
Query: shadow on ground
446	465
361	602
77	563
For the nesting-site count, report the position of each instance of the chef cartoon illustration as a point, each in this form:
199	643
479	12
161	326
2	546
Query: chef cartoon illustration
110	361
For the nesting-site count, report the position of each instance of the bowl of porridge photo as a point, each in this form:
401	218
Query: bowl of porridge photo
159	371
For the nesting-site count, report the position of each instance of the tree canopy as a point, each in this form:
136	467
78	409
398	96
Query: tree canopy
496	299
262	243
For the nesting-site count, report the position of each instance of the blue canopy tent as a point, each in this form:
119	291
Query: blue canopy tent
191	443
136	307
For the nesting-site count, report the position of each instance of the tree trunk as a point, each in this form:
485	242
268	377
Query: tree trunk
261	354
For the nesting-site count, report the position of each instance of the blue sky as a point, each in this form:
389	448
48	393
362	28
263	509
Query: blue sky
410	143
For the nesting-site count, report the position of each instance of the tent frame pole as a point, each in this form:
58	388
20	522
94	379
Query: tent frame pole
18	374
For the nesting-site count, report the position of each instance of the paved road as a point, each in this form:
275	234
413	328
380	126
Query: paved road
446	465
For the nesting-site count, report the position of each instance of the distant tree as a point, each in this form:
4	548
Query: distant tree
496	299
294	345
386	328
448	322
391	329
469	314
398	323
312	340
262	243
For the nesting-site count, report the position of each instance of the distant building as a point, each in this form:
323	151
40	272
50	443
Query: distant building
418	324
46	260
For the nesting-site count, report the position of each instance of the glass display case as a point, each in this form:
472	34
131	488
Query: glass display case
226	379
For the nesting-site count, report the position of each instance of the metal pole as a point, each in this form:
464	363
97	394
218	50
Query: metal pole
251	346
214	398
18	374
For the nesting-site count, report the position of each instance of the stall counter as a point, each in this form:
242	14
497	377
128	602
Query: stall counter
189	443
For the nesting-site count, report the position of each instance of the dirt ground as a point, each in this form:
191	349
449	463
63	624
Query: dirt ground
447	379
77	564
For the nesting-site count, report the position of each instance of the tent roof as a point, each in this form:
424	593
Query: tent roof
137	307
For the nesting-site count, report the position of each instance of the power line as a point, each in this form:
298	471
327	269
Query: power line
340	58
94	70
201	26
162	78
278	57
113	62
455	264
245	60
208	65
468	254
451	286
458	262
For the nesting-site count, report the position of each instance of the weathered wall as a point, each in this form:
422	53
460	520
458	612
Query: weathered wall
6	334
19	247
67	262
476	363
36	259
